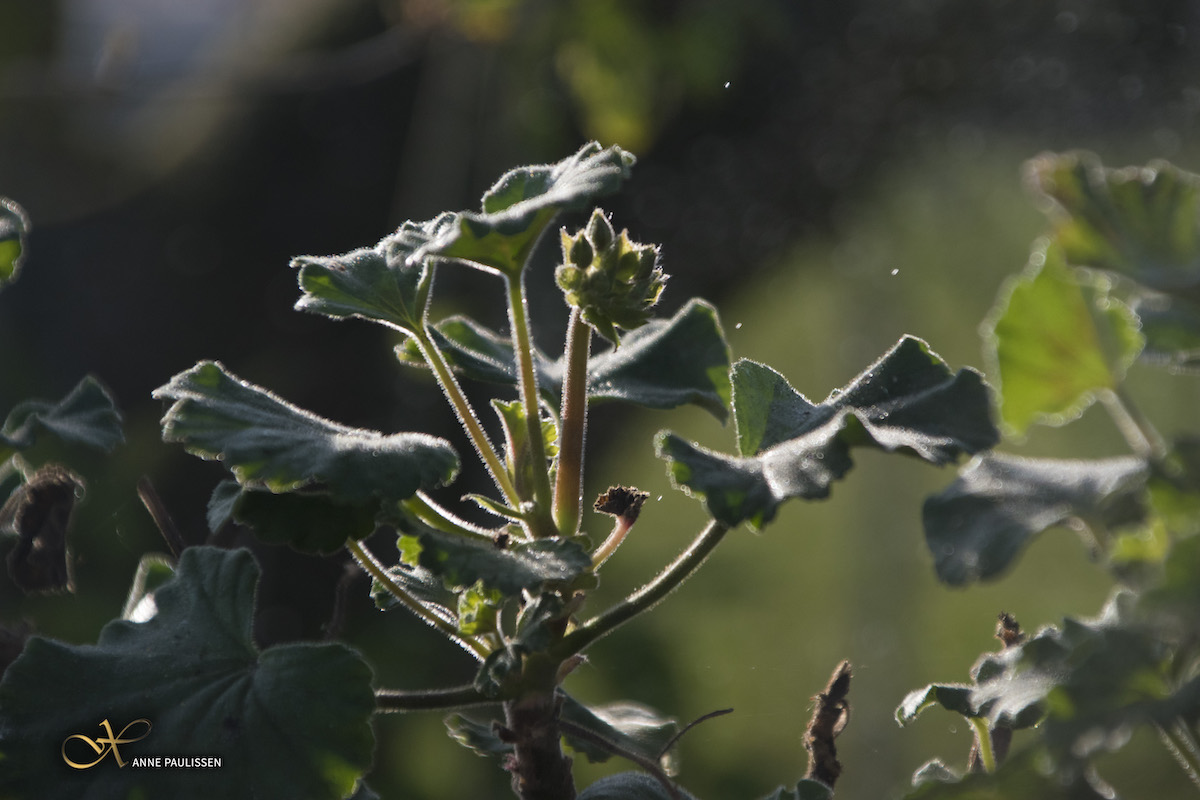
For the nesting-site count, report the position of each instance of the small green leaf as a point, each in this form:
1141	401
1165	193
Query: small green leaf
517	450
87	415
154	571
272	444
477	609
14	225
523	202
1054	343
379	283
462	561
978	525
1140	222
954	697
475	735
909	401
289	721
664	364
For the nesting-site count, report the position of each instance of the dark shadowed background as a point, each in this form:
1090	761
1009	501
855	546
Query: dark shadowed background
831	173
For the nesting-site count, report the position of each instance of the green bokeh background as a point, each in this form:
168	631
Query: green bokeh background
857	179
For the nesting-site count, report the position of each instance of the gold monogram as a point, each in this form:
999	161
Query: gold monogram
106	743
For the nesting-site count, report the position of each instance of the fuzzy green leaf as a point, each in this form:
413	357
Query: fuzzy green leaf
664	364
909	401
1172	331
1054	343
977	526
289	721
523	202
311	522
461	561
379	283
87	415
954	697
269	443
1141	222
14	225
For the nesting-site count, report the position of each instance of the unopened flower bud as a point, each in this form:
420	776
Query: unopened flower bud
612	280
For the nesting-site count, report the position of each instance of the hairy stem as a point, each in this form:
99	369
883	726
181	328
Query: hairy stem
435	516
1179	742
568	485
646	597
389	701
466	415
1136	429
541	523
983	738
368	562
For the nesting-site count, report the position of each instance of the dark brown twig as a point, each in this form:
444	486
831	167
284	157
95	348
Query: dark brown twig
829	718
162	518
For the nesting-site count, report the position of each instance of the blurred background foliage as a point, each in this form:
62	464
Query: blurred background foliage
831	174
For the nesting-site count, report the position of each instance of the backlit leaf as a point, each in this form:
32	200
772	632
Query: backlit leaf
523	202
377	283
463	561
909	401
978	525
14	225
1054	343
1141	222
269	443
87	415
288	721
664	364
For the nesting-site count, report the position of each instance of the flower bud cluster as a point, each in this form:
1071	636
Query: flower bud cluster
613	281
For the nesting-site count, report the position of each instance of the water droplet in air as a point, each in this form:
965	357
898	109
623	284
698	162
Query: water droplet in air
896	272
726	84
738	326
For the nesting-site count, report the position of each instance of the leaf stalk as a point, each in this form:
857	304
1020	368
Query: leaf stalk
646	597
541	522
366	559
568	481
466	414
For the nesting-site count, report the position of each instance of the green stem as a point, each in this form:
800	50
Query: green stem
389	701
646	597
1136	429
368	562
466	415
568	485
983	737
541	523
432	514
1177	744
